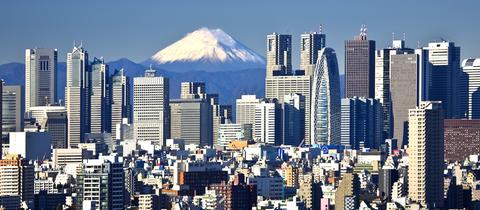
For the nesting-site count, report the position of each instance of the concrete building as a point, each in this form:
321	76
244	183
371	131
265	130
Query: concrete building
151	110
360	66
245	109
325	101
445	60
267	127
462	137
77	95
229	132
100	110
425	161
31	145
191	120
361	123
293	119
56	125
279	54
193	90
40	77
16	178
101	181
310	45
64	156
13	108
471	67
39	113
148	202
348	190
406	70
120	99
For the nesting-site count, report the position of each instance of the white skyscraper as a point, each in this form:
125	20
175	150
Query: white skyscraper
325	101
426	154
40	77
151	111
472	68
245	109
99	103
77	95
267	127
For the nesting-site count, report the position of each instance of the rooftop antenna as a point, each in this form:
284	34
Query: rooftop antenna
321	28
404	35
393	36
418	44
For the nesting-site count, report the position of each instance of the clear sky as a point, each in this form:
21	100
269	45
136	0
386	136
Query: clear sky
137	29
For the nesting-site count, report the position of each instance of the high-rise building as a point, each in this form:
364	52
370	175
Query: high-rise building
361	123
360	66
99	98
279	54
1	118
310	45
192	90
325	100
445	60
425	154
472	68
348	189
151	110
17	177
77	95
100	181
267	127
293	119
56	125
406	70
40	77
245	109
462	137
12	108
191	120
120	99
382	81
229	132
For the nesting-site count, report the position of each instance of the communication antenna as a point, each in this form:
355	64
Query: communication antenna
404	35
393	36
321	28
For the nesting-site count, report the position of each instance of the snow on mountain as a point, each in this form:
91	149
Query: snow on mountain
206	50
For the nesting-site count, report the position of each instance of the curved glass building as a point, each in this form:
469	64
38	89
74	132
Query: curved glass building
325	100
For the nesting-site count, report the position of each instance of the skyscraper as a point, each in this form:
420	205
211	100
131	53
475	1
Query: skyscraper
245	109
279	54
267	126
13	108
360	66
191	90
99	104
472	68
191	120
445	59
40	77
56	125
425	161
120	99
361	123
293	119
77	95
310	45
151	110
406	70
325	101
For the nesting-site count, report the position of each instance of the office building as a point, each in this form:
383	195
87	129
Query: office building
99	98
64	156
77	95
56	125
151	110
310	45
462	137
100	181
120	99
245	109
425	154
293	119
406	70
44	200
267	127
361	123
279	55
445	60
192	90
472	68
325	101
39	113
31	145
12	108
198	175
229	132
40	77
237	194
17	177
360	66
191	120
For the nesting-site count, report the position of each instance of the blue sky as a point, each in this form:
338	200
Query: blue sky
137	29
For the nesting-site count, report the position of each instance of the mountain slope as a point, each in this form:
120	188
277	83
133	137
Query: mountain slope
206	50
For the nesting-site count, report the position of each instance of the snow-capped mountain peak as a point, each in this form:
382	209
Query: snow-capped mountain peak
209	50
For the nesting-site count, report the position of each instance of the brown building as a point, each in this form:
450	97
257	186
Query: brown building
237	194
198	180
360	66
462	138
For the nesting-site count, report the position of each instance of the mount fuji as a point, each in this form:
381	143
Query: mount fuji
208	50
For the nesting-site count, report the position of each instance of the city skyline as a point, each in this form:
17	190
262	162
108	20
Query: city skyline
146	35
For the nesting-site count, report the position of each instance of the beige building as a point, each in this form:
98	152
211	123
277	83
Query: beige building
425	161
16	177
346	196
